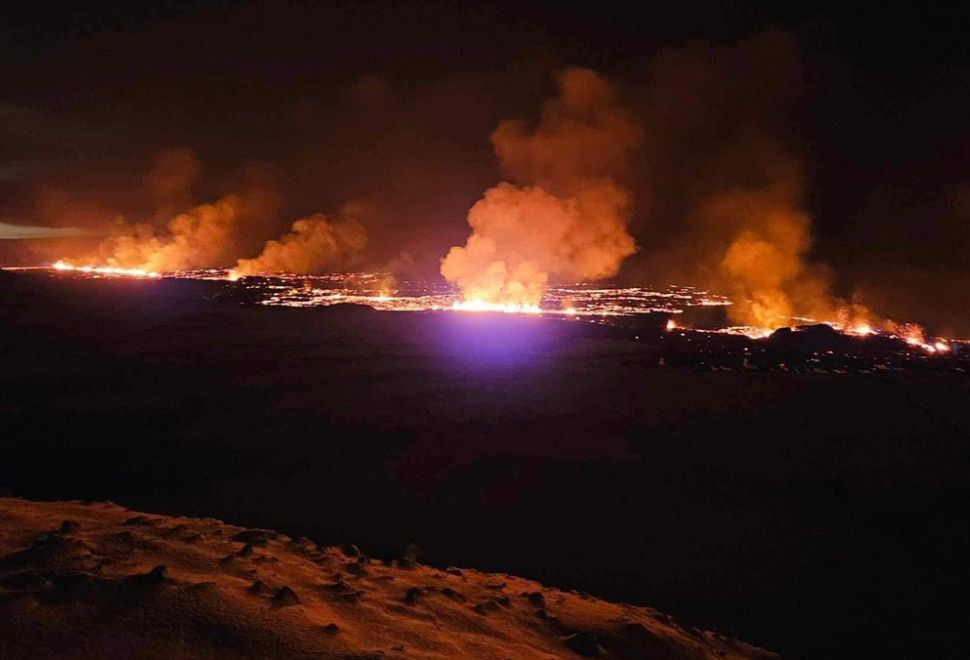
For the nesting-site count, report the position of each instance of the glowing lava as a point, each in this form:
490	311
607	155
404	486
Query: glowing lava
748	331
105	270
507	308
861	329
577	300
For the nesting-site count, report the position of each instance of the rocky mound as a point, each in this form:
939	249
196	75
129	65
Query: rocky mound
97	580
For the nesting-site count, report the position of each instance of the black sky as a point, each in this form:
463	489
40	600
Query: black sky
180	65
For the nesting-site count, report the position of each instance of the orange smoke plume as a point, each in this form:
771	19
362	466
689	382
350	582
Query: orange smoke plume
724	186
197	238
178	235
565	215
759	239
312	244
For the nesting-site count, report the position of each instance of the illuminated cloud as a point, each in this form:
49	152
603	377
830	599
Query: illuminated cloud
12	232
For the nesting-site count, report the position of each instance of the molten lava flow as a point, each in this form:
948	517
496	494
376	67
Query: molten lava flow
911	333
104	270
747	331
483	306
576	301
861	329
914	335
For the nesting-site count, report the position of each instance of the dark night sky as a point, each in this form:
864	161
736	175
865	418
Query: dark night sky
91	90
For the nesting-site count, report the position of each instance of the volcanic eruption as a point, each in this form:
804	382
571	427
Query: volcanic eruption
720	197
564	213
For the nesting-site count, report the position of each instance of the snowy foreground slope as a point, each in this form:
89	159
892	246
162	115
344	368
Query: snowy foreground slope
96	580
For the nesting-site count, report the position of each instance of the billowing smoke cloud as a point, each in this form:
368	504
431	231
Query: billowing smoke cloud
314	244
732	189
726	191
197	238
564	215
757	243
179	235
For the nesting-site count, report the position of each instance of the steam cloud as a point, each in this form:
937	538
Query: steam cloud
565	214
